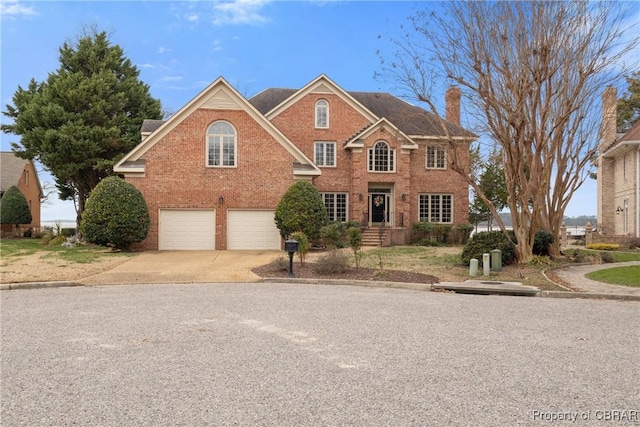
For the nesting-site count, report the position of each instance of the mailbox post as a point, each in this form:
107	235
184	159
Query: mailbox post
291	246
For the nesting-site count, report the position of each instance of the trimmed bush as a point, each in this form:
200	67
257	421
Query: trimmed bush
301	209
115	214
485	242
603	246
14	208
461	233
607	257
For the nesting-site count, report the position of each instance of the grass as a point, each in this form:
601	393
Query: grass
627	276
11	249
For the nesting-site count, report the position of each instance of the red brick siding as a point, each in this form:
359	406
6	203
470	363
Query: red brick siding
177	176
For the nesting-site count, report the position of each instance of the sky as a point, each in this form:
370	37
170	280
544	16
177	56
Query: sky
181	47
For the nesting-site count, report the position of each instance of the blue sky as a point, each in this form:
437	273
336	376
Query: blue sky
181	47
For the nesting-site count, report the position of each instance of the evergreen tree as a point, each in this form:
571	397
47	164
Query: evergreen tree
14	208
84	117
629	104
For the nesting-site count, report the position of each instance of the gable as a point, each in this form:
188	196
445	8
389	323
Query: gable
219	95
410	119
12	168
321	85
383	124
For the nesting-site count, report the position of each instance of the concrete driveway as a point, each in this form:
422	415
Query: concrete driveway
186	267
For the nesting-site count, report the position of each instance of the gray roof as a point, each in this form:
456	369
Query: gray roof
410	119
11	167
150	125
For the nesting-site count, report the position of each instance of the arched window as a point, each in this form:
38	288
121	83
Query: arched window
381	158
221	145
322	114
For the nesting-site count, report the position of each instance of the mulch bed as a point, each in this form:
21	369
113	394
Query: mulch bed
307	271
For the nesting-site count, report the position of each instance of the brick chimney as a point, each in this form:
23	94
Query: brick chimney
452	104
609	103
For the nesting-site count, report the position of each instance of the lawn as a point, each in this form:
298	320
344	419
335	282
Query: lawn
618	256
627	276
11	249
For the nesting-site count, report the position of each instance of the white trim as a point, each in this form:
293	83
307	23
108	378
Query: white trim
235	148
220	84
326	84
335	154
428	219
326	107
435	158
357	140
371	152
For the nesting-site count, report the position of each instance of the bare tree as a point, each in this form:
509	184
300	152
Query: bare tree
533	72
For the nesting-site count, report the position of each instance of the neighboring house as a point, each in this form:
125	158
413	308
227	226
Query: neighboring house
21	173
213	173
618	175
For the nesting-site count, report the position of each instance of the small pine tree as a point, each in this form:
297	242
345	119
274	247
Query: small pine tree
301	209
116	214
14	208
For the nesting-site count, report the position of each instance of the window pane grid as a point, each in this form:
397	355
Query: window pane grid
435	208
436	158
325	153
381	158
336	205
221	150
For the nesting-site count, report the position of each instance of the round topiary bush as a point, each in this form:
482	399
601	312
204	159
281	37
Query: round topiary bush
301	209
115	214
541	243
485	242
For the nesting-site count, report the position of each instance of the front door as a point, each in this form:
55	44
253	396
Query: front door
379	207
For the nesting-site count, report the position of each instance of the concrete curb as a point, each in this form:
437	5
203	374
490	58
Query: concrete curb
362	283
36	285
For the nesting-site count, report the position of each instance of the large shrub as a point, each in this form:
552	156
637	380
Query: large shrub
115	214
485	242
541	243
301	209
14	208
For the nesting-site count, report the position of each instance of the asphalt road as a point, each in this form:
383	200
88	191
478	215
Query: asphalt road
303	355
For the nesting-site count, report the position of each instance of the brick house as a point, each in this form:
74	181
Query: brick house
213	173
618	176
21	173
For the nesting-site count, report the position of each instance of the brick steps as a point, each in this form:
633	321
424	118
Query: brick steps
371	236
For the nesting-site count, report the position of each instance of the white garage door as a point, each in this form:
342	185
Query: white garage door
187	229
252	230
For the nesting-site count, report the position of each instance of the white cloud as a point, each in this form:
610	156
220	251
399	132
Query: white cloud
13	8
167	79
217	45
147	66
193	17
163	49
238	12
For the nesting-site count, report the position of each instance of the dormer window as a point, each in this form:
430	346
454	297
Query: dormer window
322	114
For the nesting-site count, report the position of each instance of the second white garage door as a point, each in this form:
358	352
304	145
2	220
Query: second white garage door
187	229
252	230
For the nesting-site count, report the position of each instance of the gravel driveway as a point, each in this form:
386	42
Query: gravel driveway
304	355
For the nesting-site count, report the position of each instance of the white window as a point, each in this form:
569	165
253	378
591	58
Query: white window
336	205
381	158
325	153
435	208
322	114
436	157
221	145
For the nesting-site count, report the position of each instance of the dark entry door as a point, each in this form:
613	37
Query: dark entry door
378	207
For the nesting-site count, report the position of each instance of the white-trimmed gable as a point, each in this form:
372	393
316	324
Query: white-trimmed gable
218	95
322	85
382	124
